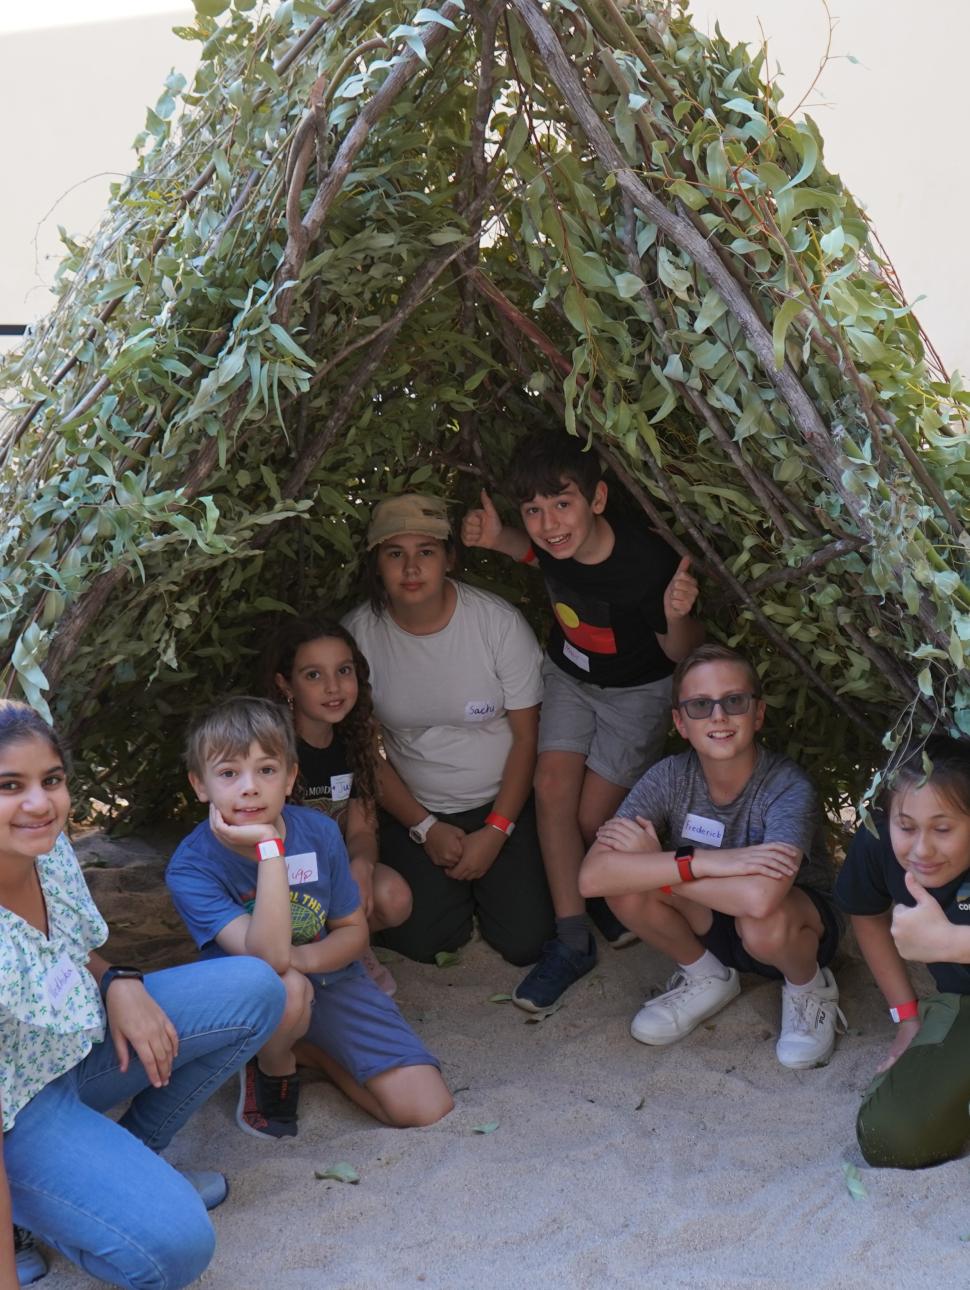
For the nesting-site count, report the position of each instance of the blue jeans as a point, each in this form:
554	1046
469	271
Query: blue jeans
96	1190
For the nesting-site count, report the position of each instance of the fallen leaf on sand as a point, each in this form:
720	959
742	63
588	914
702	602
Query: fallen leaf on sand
340	1172
485	1128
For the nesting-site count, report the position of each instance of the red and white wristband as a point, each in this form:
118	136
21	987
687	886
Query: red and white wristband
499	822
905	1011
269	849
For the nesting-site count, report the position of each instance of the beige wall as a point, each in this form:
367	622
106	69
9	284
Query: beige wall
73	98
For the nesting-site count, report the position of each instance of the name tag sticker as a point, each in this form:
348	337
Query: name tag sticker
575	656
479	710
699	829
340	786
302	868
60	981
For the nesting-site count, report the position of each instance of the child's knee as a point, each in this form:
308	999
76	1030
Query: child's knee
765	937
412	1097
299	1000
174	1253
392	898
550	788
895	1137
639	907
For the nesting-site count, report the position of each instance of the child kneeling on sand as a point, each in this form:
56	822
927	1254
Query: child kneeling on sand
741	880
908	892
262	878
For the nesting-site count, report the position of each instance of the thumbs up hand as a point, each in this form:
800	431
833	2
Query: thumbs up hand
681	592
482	526
922	931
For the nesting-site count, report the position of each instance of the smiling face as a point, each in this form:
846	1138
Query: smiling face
247	788
719	737
930	835
322	686
564	524
413	568
34	800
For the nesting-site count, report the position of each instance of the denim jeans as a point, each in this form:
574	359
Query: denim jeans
96	1190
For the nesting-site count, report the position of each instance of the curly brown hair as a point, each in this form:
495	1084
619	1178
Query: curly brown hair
359	727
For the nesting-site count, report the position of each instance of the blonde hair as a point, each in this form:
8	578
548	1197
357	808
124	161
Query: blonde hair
232	726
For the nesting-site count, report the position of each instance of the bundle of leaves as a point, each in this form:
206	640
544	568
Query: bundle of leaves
371	248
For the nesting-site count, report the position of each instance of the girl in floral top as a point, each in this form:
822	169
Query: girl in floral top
78	1036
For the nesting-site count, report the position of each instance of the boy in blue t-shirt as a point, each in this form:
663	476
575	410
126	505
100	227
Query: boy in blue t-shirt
270	880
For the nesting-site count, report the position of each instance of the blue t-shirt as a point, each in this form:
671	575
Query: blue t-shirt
211	885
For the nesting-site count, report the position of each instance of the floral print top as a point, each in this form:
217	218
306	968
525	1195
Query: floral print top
50	1006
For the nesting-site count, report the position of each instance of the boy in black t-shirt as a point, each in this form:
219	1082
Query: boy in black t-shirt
622	618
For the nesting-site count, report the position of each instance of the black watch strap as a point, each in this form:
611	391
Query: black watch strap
119	970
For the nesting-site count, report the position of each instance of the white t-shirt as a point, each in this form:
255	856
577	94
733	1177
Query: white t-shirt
442	699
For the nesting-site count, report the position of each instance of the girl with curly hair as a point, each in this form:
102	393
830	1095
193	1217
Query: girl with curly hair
324	678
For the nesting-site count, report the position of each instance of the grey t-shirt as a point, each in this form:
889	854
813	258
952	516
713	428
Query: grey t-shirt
778	804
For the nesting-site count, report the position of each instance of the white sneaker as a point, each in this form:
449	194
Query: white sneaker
687	1002
809	1023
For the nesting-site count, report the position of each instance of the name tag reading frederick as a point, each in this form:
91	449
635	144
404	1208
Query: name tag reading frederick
340	786
697	828
302	868
575	656
60	981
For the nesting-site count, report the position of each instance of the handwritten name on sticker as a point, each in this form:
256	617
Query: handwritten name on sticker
479	710
575	656
60	981
699	829
340	786
302	868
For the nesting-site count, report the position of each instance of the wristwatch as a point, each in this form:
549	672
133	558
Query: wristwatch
119	971
419	832
684	855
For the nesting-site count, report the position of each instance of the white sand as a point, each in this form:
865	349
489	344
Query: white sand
730	1175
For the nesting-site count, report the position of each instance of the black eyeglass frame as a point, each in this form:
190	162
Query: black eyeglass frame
708	705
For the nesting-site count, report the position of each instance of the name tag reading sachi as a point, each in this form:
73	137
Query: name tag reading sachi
697	828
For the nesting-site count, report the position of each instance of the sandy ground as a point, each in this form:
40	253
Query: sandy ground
703	1166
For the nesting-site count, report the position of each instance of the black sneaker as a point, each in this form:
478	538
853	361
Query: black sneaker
608	925
31	1264
267	1103
558	968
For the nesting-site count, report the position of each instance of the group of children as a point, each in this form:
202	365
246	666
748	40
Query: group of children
715	856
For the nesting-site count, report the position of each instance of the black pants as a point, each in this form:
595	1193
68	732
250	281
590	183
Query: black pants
511	901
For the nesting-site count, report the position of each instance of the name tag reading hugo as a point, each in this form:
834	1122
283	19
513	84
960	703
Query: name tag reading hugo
60	981
479	710
697	828
302	868
340	786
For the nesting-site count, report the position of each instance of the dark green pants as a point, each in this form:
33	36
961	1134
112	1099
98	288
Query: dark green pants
916	1114
511	902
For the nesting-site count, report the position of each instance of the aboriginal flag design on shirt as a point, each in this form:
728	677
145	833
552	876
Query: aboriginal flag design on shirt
606	616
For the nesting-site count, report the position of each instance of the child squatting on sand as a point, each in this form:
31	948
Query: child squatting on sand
622	608
262	878
316	667
907	890
717	858
78	1037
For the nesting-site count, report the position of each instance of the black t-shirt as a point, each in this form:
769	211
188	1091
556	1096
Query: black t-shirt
326	781
872	880
606	616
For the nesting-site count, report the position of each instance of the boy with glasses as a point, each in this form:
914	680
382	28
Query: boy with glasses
717	858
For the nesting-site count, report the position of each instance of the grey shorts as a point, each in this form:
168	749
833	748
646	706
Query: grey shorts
620	730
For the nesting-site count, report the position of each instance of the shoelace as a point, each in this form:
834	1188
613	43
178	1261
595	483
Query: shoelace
800	1005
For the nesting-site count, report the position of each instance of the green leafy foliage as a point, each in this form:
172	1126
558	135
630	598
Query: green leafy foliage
193	438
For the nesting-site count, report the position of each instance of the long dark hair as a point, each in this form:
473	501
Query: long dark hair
358	728
948	771
19	722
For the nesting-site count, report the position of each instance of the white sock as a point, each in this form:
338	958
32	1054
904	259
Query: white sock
707	965
817	982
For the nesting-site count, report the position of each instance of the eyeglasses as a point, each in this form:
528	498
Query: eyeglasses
732	705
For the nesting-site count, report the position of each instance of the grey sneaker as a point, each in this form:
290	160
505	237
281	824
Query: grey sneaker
687	1001
31	1264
